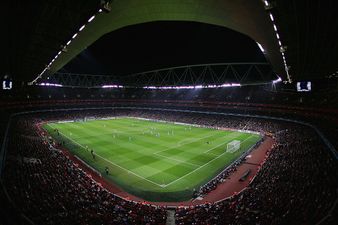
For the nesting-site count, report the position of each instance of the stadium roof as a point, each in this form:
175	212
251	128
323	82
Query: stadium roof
36	31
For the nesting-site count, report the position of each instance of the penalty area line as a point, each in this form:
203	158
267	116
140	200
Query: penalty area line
188	142
177	160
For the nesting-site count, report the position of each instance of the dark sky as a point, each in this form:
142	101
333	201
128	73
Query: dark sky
158	45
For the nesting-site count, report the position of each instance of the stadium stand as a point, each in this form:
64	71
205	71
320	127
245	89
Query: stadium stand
295	185
58	192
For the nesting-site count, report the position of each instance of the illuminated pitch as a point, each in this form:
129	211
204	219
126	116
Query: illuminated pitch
154	160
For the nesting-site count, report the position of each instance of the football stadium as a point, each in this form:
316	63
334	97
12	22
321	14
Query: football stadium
162	112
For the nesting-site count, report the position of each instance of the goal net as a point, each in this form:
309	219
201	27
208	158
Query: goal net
233	146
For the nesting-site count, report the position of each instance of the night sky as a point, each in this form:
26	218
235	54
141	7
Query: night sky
158	45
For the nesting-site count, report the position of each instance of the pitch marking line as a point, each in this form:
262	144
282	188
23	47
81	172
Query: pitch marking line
180	145
201	166
160	185
177	160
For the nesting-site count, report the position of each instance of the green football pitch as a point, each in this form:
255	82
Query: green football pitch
156	161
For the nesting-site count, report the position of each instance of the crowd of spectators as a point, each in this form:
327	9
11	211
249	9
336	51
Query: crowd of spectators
212	185
50	189
296	185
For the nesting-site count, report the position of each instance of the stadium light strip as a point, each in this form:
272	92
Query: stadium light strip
50	84
192	86
68	43
286	67
155	87
112	86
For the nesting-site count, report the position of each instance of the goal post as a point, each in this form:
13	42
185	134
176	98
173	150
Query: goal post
233	146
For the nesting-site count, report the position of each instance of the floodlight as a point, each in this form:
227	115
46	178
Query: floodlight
275	27
268	6
81	28
277	35
260	47
91	19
